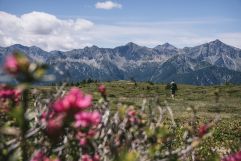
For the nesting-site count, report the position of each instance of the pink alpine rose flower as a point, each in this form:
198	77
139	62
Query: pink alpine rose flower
55	124
85	119
102	89
86	157
11	64
51	159
233	157
38	156
95	118
84	102
73	101
96	157
203	129
131	113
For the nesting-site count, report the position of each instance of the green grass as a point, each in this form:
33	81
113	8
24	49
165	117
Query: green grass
208	100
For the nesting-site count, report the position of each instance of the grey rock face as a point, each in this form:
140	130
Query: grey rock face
210	63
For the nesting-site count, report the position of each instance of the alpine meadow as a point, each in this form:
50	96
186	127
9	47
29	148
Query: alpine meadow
120	80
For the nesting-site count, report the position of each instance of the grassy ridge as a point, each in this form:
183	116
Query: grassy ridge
210	100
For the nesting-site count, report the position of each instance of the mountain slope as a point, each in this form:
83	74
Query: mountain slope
209	63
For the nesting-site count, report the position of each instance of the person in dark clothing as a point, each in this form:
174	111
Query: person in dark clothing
173	89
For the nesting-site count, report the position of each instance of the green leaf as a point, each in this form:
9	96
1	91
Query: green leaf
17	113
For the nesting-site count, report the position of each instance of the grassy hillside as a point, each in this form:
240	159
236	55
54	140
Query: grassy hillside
208	101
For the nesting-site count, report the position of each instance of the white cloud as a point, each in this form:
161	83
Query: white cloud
43	30
52	33
107	5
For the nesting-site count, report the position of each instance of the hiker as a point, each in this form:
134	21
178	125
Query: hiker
173	87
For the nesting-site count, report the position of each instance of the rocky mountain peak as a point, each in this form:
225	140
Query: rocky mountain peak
165	46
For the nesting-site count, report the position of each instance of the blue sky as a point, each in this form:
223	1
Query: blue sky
68	24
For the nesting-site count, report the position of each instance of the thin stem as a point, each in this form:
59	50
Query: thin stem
24	125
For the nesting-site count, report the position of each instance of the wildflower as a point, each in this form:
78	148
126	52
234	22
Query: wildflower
38	156
203	129
86	157
55	124
74	100
83	141
16	63
7	95
132	116
84	102
102	89
10	93
60	106
131	113
51	159
96	157
11	64
233	157
85	119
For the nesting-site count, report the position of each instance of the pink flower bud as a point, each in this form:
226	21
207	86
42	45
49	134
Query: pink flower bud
203	129
96	157
102	89
86	157
54	125
38	156
83	141
131	113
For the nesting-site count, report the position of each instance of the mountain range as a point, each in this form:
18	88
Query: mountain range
207	64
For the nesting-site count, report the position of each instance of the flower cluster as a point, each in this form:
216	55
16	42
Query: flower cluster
19	66
87	157
73	101
89	121
39	156
16	63
132	116
71	108
233	157
7	94
86	119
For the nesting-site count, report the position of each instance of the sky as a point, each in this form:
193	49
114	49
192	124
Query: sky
72	24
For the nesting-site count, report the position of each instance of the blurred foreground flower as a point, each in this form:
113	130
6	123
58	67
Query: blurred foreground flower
11	64
22	69
39	156
73	101
233	157
87	157
9	96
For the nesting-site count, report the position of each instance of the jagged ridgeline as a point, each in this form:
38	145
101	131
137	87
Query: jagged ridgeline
206	64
